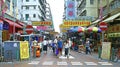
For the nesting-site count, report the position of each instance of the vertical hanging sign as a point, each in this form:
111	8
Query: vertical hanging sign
70	10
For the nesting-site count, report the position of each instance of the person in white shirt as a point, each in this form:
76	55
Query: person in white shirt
69	44
45	43
66	46
55	41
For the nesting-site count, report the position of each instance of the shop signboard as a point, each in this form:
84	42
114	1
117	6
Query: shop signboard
6	26
1	26
24	50
106	50
46	23
70	10
41	28
76	23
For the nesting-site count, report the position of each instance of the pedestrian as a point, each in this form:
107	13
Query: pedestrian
66	46
87	46
45	43
53	46
60	45
69	44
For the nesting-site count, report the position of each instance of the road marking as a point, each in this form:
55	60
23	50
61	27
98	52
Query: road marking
105	63
61	63
76	63
71	57
90	63
34	62
63	57
48	63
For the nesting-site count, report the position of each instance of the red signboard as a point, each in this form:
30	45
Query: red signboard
103	26
29	29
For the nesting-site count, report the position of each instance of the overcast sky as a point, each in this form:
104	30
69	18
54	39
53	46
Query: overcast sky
57	9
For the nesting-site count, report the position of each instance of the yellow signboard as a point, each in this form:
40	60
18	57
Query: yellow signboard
42	23
24	50
63	30
76	23
106	50
64	26
53	32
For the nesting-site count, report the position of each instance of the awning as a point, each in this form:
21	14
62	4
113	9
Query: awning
11	23
111	18
1	21
96	21
21	23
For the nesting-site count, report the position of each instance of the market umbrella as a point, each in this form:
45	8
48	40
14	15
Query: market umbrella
95	29
89	29
99	30
81	29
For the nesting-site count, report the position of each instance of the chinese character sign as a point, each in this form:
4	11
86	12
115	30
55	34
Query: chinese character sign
70	10
24	50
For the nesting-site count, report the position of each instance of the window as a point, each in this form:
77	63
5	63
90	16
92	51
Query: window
27	7
91	2
34	15
26	16
21	7
34	7
27	0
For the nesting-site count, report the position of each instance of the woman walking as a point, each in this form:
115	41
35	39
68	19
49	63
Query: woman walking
66	45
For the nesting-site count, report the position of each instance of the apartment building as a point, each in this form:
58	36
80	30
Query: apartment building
32	10
87	9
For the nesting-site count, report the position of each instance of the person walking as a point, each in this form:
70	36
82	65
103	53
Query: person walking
60	45
87	46
66	46
69	45
45	43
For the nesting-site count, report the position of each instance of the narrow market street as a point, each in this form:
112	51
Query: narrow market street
50	60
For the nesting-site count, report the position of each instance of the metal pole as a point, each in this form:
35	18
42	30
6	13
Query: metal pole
14	21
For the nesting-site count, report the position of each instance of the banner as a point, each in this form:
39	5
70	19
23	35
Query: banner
106	50
47	23
70	10
76	23
24	50
42	27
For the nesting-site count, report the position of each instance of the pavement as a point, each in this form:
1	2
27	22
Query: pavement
75	59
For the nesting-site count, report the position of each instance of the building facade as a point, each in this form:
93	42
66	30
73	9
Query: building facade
32	10
87	9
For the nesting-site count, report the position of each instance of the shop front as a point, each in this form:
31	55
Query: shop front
113	35
9	28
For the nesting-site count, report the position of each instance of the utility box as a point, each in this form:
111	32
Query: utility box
11	50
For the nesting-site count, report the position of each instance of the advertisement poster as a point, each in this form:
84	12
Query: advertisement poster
24	50
106	50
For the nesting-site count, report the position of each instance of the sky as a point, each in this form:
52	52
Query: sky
57	9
